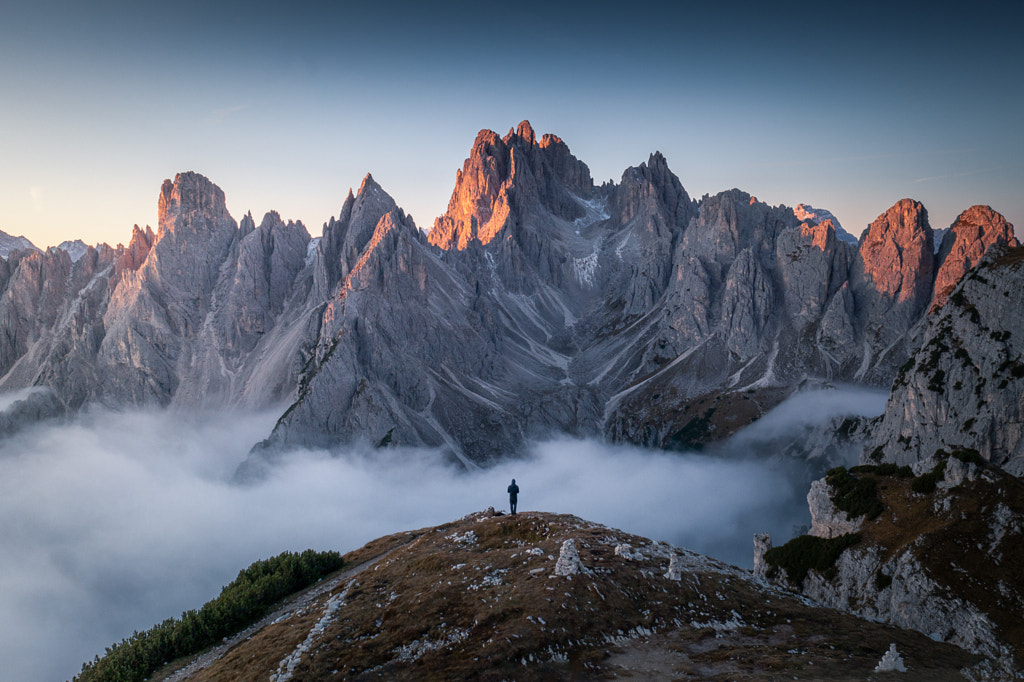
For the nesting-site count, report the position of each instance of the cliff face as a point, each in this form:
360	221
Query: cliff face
963	387
963	245
940	556
539	303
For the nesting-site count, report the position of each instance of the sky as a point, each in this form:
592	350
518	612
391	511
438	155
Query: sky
115	521
847	106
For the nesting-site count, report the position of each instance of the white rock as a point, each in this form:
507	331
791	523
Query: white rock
891	662
569	563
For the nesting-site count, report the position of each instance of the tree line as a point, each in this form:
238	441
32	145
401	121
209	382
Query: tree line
241	603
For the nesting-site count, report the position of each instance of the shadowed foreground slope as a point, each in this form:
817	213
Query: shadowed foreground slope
545	596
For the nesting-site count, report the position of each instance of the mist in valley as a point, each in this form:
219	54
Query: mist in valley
117	521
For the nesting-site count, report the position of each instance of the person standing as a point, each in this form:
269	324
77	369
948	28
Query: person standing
513	495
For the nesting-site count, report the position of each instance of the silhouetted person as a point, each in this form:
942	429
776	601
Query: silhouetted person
513	495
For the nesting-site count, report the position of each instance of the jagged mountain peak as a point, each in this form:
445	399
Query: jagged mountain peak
506	178
10	243
246	225
189	193
805	212
964	244
369	185
523	132
899	255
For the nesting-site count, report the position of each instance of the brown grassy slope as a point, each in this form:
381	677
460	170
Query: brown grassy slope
476	599
951	533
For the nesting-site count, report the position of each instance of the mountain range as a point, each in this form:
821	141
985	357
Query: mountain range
539	303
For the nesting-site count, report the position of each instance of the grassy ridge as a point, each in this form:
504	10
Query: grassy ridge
241	603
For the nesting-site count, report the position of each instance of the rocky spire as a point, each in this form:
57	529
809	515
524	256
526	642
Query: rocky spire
506	176
899	255
963	245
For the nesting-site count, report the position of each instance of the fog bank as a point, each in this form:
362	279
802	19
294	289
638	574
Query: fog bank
120	520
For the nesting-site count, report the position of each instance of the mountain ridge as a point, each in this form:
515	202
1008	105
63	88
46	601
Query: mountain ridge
539	303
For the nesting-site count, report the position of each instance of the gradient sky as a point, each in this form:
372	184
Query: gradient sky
848	106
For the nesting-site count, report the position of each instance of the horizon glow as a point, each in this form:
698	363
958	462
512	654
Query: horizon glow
286	108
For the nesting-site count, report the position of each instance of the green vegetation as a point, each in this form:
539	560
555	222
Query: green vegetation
877	454
806	552
856	496
243	602
968	456
925	483
386	441
1015	367
693	434
882	580
887	469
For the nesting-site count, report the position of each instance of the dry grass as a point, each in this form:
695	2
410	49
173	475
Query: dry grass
951	545
443	607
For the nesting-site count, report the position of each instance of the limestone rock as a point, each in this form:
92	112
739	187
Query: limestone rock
538	304
891	662
962	387
10	243
675	568
569	563
762	543
826	520
964	244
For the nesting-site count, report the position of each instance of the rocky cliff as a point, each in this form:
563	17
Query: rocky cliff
937	553
539	303
962	388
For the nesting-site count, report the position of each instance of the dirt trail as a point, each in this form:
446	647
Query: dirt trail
300	601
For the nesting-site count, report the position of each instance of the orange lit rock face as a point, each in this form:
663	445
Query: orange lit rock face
898	253
969	237
138	248
496	170
477	187
818	234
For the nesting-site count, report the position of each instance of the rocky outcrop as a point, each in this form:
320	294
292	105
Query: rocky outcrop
826	520
940	560
962	388
963	245
505	178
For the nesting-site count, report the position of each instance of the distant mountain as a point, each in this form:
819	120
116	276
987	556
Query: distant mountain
76	249
542	596
9	243
804	212
539	303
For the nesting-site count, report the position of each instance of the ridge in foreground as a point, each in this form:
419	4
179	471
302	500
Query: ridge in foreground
547	596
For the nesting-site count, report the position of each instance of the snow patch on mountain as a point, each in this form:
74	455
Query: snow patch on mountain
9	243
805	212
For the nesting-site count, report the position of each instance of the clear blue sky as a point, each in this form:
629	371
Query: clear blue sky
848	106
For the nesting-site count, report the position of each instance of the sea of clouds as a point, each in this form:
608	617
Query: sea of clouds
118	520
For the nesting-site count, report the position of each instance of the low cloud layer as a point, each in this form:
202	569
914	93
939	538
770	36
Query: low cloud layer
120	520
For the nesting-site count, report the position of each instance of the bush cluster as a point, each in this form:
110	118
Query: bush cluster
886	469
241	603
925	483
806	552
856	496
